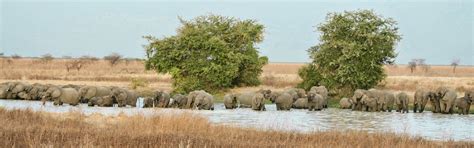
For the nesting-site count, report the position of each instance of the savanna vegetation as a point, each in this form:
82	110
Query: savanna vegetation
209	53
354	46
25	128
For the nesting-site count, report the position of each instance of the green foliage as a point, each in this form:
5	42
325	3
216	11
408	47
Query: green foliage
353	48
210	53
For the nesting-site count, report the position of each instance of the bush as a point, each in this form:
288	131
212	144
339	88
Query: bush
210	53
113	58
46	58
16	56
354	47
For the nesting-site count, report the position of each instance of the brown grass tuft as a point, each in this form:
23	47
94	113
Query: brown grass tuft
25	128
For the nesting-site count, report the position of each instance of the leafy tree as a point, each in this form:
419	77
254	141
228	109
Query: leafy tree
353	47
209	52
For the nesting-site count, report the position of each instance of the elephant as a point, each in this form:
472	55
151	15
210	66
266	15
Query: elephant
124	97
296	93
345	103
258	102
370	100
178	101
3	91
230	101
104	101
356	99
446	99
204	102
321	90
88	92
469	94
315	101
148	102
191	98
15	88
387	101
283	100
161	99
61	95
245	99
463	104
35	92
300	103
421	98
401	101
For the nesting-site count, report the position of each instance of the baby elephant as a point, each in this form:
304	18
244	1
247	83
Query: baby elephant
345	103
230	101
104	101
401	101
463	104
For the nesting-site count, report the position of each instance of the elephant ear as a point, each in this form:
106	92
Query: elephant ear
56	93
91	91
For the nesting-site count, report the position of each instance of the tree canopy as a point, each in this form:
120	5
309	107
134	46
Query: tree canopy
209	52
353	47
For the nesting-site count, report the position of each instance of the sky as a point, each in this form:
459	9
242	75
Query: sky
437	30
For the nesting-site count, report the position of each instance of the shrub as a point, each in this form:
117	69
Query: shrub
46	58
113	58
353	48
210	53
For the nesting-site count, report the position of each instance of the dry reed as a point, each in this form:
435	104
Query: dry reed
25	128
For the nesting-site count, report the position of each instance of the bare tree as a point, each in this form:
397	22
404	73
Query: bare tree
455	62
113	58
16	56
412	65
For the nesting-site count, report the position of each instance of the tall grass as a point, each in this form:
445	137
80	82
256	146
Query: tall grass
24	128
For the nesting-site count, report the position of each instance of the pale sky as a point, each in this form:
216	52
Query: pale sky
437	31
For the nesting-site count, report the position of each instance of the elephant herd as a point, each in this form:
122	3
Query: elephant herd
315	99
442	100
102	96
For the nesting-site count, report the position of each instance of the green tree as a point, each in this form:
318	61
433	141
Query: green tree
209	52
353	47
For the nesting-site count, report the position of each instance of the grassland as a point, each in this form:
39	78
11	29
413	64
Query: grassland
24	128
275	75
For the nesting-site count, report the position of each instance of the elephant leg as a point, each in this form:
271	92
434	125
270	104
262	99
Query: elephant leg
442	107
422	108
415	106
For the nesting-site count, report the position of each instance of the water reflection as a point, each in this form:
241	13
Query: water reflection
427	124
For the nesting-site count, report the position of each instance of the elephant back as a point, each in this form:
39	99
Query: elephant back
450	95
103	91
88	92
301	103
245	98
69	95
321	90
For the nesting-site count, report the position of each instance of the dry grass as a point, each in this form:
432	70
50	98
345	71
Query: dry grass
275	75
22	128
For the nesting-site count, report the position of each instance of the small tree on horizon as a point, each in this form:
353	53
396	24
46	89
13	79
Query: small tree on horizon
113	58
353	47
455	62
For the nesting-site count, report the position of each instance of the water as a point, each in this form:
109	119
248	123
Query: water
426	125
